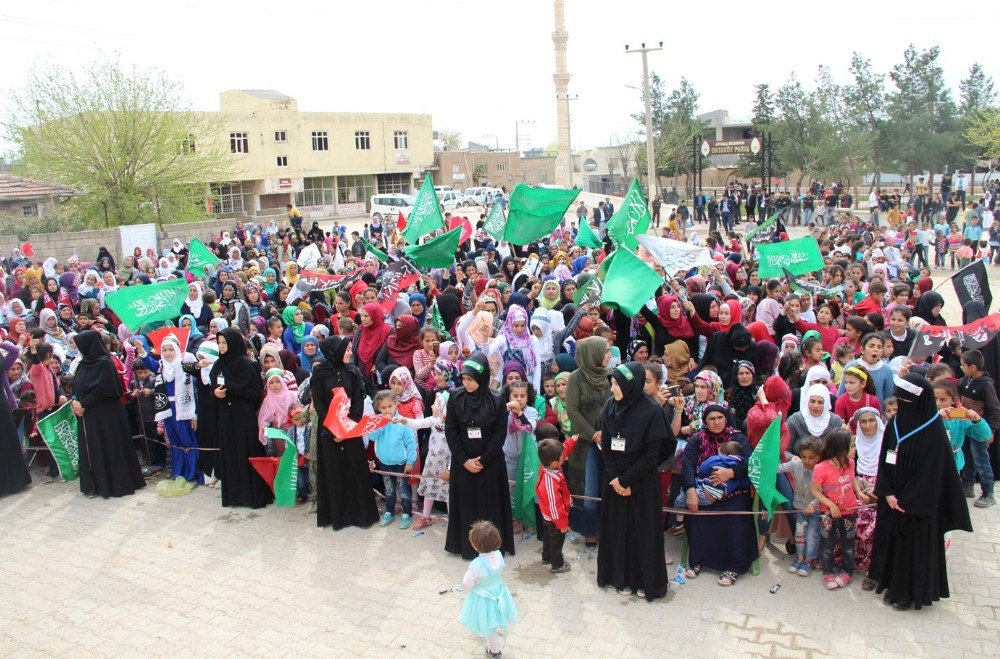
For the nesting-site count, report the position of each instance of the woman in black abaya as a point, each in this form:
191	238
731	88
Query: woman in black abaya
919	500
633	427
109	466
344	494
14	475
475	426
238	388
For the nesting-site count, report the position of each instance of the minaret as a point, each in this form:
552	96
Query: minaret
564	157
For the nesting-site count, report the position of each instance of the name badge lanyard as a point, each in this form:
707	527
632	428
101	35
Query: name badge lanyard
899	440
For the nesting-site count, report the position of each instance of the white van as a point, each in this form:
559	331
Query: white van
452	199
390	205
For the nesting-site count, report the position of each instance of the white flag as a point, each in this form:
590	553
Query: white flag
674	255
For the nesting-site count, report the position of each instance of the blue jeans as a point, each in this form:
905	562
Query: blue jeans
806	215
807	534
830	530
978	466
393	483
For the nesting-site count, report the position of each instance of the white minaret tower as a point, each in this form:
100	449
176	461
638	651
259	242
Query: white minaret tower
564	156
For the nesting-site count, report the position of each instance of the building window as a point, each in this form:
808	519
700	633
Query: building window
355	189
280	136
394	183
362	140
282	161
501	167
227	197
401	138
543	176
29	210
239	142
316	191
320	141
187	144
456	168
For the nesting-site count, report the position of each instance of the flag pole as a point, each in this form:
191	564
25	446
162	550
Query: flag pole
755	566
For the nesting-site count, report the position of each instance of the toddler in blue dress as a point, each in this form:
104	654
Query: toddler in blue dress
488	607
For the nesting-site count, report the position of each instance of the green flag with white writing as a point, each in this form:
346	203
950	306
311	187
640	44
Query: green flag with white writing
286	480
536	212
437	252
374	251
762	467
798	256
59	432
138	305
587	237
631	218
437	320
495	223
198	257
629	283
527	477
426	214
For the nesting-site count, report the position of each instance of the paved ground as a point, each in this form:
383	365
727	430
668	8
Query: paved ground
151	576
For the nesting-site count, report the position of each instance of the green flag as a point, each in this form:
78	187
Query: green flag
286	480
527	477
139	305
631	218
629	283
198	257
602	267
797	256
495	223
58	431
536	212
764	230
762	467
438	321
437	252
586	237
371	249
425	216
589	293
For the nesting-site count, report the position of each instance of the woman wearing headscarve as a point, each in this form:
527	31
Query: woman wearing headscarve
296	328
179	411
743	394
370	338
14	475
776	399
206	354
109	466
817	374
929	308
586	392
633	427
919	500
549	299
239	389
102	254
309	352
451	309
708	390
418	307
724	349
516	342
670	324
401	344
868	445
727	543
476	427
814	418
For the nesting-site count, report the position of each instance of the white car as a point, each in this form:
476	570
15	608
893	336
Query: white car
390	205
478	195
452	199
442	188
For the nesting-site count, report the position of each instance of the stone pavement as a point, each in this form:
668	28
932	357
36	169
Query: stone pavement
148	576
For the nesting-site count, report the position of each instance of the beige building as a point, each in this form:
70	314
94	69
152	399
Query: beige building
327	163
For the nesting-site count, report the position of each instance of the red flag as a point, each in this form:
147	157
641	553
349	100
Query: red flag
28	249
466	225
156	337
400	222
267	468
321	282
342	426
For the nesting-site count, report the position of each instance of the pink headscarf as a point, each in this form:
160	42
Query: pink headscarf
410	391
275	407
523	342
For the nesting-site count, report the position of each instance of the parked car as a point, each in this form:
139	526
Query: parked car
390	205
452	199
442	188
478	195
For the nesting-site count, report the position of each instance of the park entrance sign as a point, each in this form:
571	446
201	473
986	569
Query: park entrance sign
730	147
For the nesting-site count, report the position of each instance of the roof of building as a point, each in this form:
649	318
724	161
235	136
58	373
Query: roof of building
15	187
267	94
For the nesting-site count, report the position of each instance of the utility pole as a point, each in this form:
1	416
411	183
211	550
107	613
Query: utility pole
569	142
650	149
517	132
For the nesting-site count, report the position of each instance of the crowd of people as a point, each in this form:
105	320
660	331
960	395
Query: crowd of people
498	357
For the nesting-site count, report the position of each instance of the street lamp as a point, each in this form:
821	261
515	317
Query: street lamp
650	157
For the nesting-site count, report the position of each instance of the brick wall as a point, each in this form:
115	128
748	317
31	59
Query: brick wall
64	245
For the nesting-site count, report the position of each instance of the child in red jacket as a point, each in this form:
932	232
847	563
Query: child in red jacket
554	502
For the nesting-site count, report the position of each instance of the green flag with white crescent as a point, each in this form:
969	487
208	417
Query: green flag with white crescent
631	218
587	237
797	256
762	467
199	256
426	214
495	223
59	432
138	305
437	252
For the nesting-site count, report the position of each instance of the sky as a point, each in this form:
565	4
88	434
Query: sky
479	68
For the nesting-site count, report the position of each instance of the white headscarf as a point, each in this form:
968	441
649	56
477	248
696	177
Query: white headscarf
49	267
817	372
868	446
817	425
85	288
171	371
541	319
208	351
195	305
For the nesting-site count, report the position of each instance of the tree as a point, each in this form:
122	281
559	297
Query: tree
749	165
674	126
976	92
866	106
984	132
122	137
623	151
451	140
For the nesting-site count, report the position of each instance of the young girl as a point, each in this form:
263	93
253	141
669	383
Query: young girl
839	496
859	391
488	608
872	348
961	422
274	410
522	418
424	358
954	242
410	406
437	467
179	415
558	403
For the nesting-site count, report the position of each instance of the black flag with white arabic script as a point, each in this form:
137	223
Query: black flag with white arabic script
971	285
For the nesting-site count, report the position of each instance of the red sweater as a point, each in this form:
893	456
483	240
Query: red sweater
553	497
829	335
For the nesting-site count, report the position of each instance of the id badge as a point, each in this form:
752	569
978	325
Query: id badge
617	443
221	380
475	433
890	457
